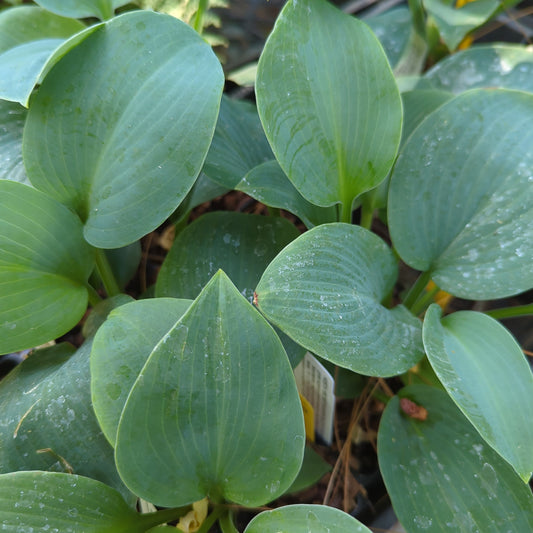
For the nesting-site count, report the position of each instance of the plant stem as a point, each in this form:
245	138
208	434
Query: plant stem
211	519
367	215
417	289
106	274
94	297
165	515
424	300
346	212
107	9
198	19
511	312
226	522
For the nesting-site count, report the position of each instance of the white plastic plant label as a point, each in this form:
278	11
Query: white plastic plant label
316	384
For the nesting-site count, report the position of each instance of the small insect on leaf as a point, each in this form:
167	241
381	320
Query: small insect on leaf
255	299
412	410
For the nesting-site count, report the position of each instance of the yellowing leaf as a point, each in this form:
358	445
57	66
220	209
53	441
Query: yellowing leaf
192	521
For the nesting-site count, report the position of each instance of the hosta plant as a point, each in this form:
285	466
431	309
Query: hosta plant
180	405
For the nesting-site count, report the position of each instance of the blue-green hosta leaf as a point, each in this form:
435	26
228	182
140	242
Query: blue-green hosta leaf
461	194
203	190
240	244
455	23
442	476
325	291
47	421
508	66
102	9
12	117
239	143
215	411
487	376
100	311
393	29
31	38
313	468
44	267
328	102
418	104
120	349
23	24
268	184
118	131
51	501
305	519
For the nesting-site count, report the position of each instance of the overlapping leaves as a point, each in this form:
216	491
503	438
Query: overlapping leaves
461	194
325	291
123	124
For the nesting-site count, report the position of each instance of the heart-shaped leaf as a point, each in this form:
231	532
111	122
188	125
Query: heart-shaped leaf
51	501
215	411
120	349
47	419
305	519
325	291
487	376
102	9
441	475
508	66
328	102
268	184
240	244
239	143
461	194
120	128
44	267
455	23
12	117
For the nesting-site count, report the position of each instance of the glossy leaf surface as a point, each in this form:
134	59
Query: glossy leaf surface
486	374
51	501
325	291
120	349
305	519
215	411
47	419
442	476
120	130
461	194
12	117
268	184
328	102
240	244
239	143
44	266
102	9
508	66
455	23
